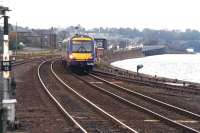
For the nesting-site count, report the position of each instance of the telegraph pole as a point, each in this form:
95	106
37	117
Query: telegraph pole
7	104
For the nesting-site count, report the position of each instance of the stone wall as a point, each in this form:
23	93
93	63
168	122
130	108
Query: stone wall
111	56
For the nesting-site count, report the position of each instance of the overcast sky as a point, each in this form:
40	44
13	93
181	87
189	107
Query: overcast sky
155	14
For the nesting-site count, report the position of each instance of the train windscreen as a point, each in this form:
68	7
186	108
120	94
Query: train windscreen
82	46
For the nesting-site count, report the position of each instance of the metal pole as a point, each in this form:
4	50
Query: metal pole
6	74
6	57
16	41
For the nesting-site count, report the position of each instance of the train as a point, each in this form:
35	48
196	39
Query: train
80	53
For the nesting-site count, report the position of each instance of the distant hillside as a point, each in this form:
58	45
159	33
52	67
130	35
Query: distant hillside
175	39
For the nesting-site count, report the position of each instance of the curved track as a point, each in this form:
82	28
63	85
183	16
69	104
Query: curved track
183	113
35	110
130	93
92	91
94	114
151	82
65	113
187	101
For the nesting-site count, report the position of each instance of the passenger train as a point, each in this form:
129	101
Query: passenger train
80	53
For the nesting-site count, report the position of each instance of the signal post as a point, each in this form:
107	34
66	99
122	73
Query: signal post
7	104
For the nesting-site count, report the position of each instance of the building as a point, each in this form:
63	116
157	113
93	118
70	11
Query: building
154	50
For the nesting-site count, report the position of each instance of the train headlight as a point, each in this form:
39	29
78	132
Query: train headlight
71	56
90	58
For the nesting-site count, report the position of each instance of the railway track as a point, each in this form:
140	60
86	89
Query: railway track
84	114
177	123
17	63
60	107
21	62
187	101
125	95
153	83
145	120
35	110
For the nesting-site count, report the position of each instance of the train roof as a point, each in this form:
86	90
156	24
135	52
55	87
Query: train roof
80	37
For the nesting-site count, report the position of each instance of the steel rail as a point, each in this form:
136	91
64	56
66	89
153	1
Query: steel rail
91	103
56	101
151	83
196	116
142	108
17	63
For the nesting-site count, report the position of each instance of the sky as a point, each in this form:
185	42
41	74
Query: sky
154	14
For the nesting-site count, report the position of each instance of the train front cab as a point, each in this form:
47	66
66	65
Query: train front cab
81	60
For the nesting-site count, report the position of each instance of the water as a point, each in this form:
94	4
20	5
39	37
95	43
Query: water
176	66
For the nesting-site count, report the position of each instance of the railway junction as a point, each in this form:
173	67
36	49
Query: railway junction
41	95
51	98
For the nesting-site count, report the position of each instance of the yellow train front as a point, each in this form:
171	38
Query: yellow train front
81	53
